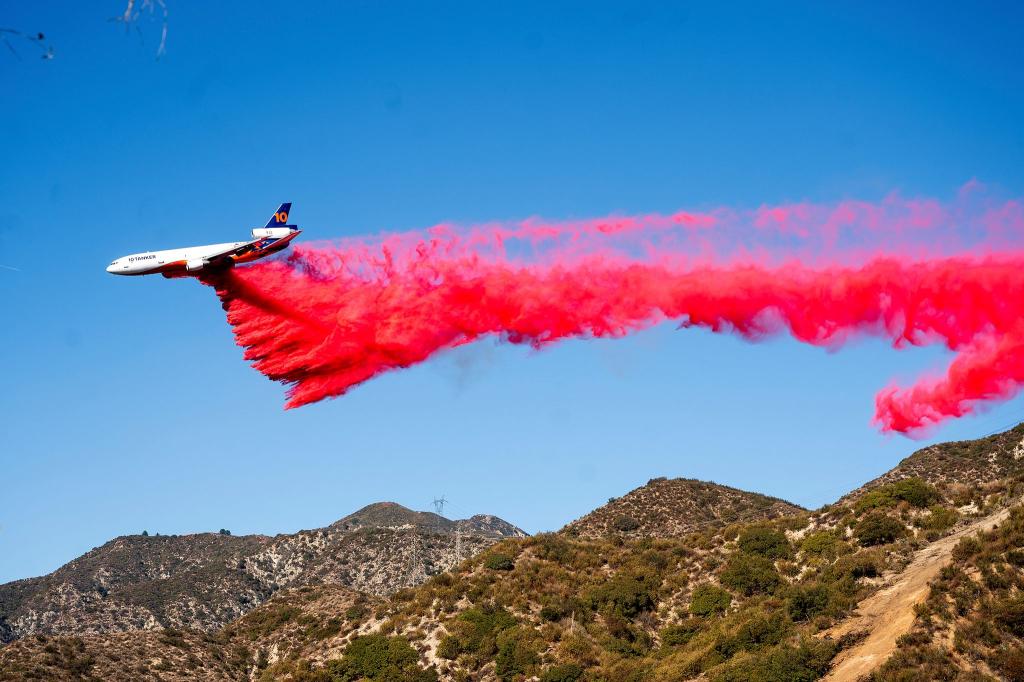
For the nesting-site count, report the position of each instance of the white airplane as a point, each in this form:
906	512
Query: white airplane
194	260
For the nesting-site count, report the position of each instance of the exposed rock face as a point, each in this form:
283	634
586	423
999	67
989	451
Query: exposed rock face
675	508
205	581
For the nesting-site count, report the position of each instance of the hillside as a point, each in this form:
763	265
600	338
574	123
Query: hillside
675	508
777	594
960	466
297	620
205	581
971	625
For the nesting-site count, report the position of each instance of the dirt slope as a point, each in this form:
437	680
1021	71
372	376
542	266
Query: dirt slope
889	613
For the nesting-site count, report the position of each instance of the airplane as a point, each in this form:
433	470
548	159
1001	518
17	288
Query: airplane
195	260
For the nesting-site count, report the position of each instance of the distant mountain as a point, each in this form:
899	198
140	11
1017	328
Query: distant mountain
205	581
673	508
395	516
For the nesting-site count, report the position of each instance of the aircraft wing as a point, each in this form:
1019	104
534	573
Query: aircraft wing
229	255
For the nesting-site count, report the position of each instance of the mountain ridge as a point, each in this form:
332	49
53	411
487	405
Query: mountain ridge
205	580
676	507
705	582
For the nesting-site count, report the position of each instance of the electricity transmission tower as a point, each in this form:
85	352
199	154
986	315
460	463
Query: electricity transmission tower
439	505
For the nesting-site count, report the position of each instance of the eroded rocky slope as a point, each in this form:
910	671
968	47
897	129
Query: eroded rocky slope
205	581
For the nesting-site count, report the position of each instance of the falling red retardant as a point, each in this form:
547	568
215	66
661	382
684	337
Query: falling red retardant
326	319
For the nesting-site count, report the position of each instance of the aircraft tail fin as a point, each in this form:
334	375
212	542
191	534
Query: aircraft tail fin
280	217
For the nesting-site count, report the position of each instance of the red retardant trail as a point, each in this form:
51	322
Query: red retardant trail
329	318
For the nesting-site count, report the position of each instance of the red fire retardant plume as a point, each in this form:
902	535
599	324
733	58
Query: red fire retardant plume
326	319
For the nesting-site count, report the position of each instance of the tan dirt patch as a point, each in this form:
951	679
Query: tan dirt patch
889	613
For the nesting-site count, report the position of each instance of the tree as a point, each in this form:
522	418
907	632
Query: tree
224	531
145	533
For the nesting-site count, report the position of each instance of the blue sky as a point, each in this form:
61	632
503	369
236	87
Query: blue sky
126	405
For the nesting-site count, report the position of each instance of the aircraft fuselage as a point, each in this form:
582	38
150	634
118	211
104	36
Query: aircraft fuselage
192	260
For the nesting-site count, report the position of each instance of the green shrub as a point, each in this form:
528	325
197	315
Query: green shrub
756	633
357	611
680	633
479	627
625	639
449	647
876	499
750	574
551	547
499	562
708	599
863	564
381	659
807	601
263	622
783	663
915	491
823	544
325	630
966	548
1011	663
515	655
626	594
878	529
554	609
566	672
911	490
1009	613
914	661
940	518
766	542
625	524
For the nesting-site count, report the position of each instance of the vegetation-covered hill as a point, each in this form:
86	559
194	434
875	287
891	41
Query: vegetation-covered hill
764	597
675	508
960	466
205	581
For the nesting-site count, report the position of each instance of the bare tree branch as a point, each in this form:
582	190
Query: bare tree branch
38	40
152	8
